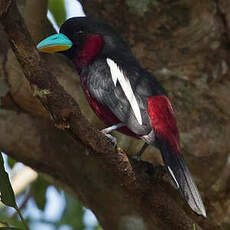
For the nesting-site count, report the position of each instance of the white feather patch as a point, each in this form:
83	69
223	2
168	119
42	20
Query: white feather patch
173	176
126	87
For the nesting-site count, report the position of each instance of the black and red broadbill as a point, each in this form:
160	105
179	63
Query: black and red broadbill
124	95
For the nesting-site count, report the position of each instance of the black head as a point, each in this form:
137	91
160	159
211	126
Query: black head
79	29
83	38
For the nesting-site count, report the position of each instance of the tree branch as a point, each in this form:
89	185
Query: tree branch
89	177
123	184
35	17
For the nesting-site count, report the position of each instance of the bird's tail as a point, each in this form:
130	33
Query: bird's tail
182	178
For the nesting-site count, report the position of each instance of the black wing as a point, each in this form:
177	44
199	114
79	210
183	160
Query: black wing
102	87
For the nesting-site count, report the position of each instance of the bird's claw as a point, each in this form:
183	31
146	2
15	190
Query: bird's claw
108	130
136	157
112	138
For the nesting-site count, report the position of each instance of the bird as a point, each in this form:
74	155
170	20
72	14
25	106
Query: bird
124	95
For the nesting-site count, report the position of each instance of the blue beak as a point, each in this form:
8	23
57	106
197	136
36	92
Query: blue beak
55	43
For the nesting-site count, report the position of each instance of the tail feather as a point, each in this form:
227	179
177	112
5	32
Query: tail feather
182	179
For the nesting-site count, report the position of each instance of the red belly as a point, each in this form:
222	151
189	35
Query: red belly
104	113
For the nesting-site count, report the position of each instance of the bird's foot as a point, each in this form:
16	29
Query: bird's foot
108	130
137	157
111	128
112	138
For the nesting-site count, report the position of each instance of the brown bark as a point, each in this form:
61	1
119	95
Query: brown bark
191	61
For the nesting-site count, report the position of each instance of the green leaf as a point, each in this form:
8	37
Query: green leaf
38	190
11	220
11	162
57	8
7	193
73	214
10	228
98	227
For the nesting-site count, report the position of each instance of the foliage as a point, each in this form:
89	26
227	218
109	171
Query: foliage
11	162
7	193
38	192
72	215
57	8
9	228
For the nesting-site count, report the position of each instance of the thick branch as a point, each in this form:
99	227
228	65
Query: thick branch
50	151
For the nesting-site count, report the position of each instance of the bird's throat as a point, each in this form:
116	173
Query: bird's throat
91	48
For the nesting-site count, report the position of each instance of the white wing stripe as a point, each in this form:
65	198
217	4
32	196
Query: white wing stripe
126	87
173	176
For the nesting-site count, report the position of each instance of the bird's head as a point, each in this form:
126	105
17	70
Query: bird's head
84	35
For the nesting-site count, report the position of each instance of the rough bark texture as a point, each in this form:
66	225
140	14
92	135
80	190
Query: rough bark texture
185	45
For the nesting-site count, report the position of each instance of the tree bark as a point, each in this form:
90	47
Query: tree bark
191	61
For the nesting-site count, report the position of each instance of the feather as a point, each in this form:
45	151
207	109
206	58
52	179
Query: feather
118	75
174	181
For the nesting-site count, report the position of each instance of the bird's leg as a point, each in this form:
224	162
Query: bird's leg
139	153
111	128
108	130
